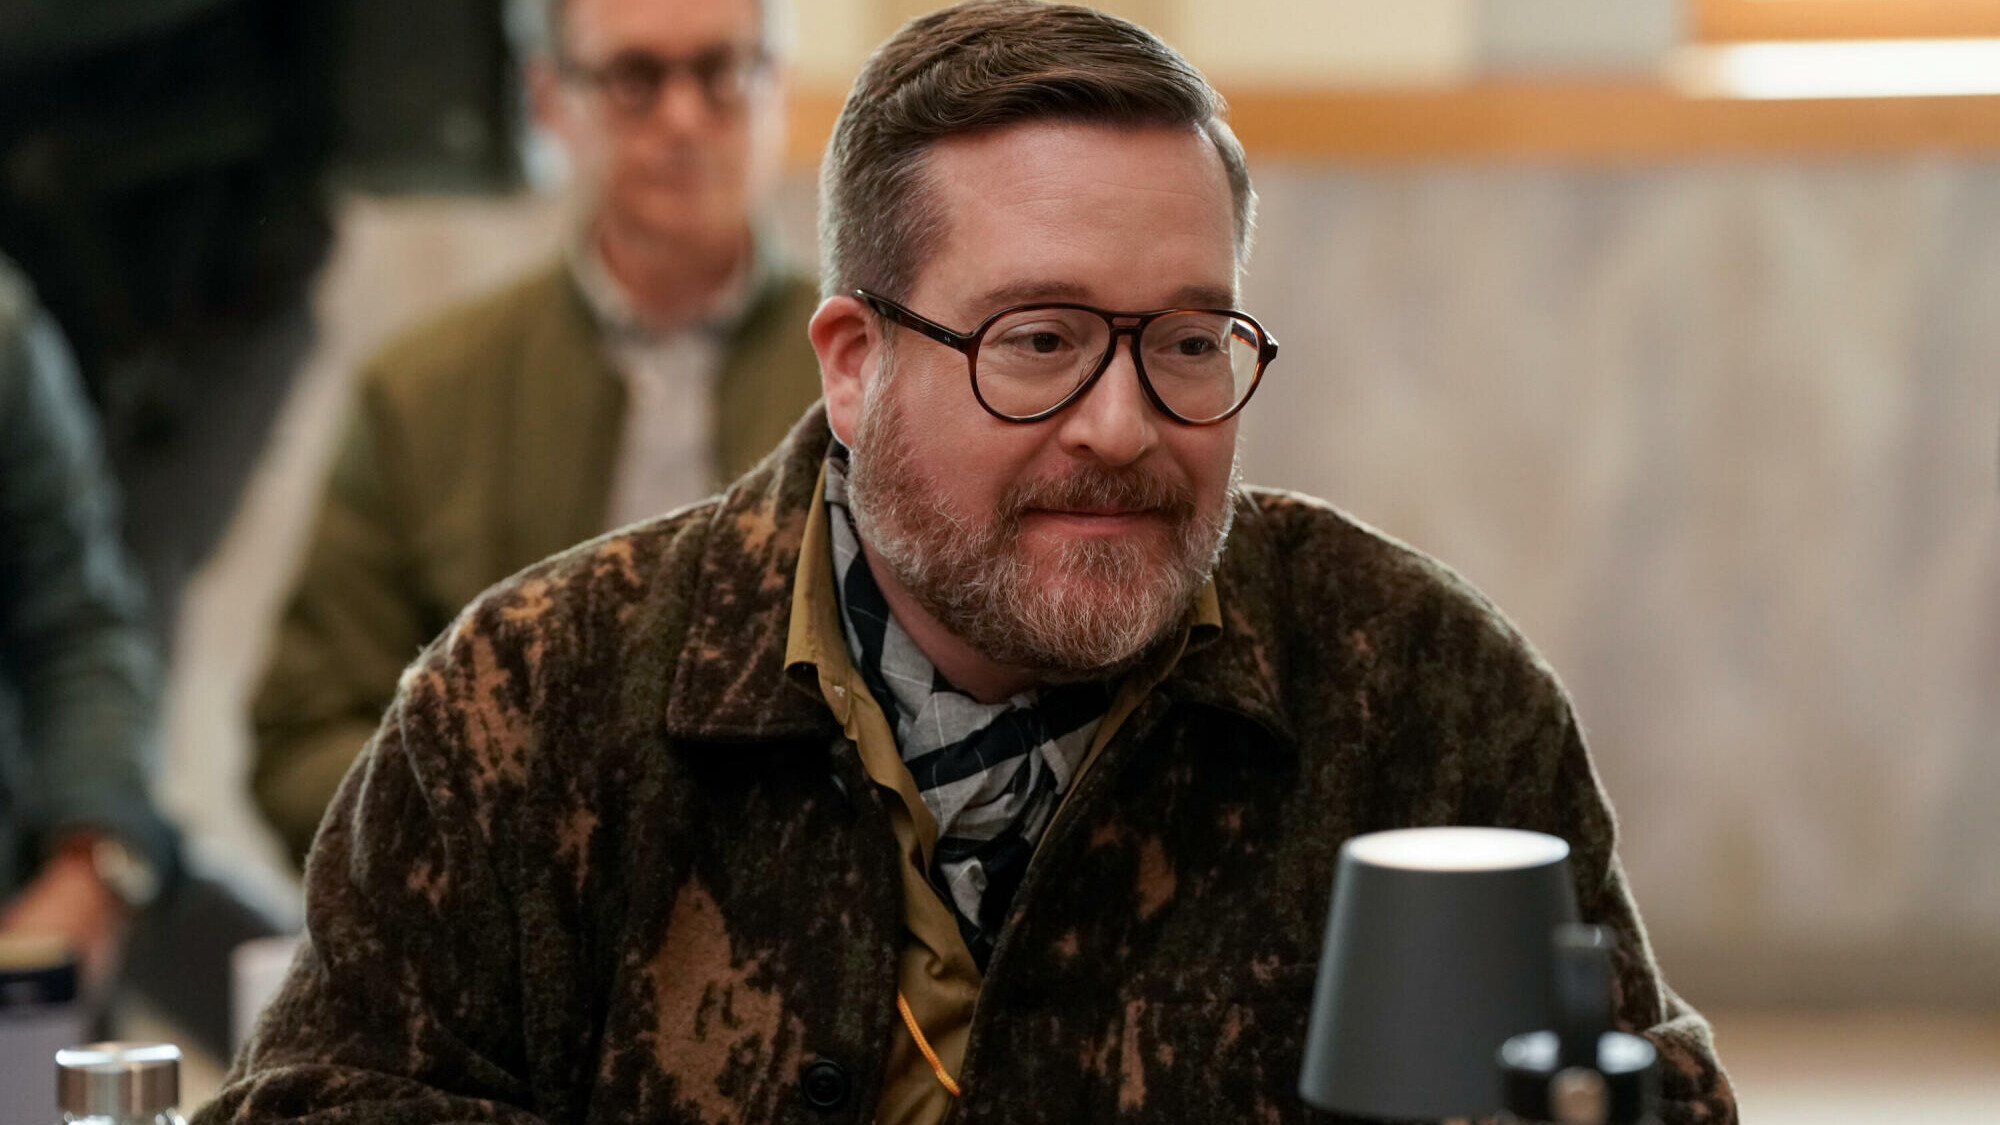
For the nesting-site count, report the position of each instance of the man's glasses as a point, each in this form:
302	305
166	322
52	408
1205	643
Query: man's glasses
1197	366
631	81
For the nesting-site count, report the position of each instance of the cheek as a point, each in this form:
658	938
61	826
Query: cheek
634	155
587	145
970	456
1208	456
731	152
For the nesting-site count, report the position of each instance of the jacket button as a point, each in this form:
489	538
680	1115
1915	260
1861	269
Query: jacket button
825	1085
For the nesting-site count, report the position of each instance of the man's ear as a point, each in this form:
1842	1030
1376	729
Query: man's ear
847	336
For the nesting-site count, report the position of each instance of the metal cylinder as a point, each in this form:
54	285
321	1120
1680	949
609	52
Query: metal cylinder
118	1079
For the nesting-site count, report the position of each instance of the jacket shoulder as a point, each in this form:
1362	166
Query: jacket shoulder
1327	574
585	638
1375	643
794	297
634	585
1321	549
447	352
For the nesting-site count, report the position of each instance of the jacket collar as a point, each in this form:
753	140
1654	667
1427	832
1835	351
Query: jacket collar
568	399
612	311
730	680
1241	668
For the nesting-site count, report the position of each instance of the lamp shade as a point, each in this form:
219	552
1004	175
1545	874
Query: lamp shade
1437	951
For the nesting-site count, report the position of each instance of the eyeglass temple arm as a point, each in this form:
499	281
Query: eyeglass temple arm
883	306
1267	348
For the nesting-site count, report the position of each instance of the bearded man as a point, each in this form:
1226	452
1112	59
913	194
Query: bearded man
984	754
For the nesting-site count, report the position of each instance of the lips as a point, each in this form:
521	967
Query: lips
1097	523
1095	513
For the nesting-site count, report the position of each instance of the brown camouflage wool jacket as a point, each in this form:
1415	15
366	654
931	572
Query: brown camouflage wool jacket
606	863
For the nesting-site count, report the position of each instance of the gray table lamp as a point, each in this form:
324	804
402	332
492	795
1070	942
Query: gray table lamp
1437	951
1581	1072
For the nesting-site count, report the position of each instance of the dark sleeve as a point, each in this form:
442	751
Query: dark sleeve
405	1004
354	620
1502	747
1693	1086
74	636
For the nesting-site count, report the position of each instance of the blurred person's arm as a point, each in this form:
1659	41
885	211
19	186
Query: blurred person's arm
355	619
76	648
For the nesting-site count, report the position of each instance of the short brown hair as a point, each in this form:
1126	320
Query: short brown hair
982	65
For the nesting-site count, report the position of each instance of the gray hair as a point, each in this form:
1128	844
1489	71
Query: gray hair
535	27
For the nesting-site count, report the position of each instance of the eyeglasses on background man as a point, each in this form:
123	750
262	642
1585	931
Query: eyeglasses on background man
632	81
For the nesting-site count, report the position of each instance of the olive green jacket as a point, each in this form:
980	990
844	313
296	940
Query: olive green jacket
479	442
608	862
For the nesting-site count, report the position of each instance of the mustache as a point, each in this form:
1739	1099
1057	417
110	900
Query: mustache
1089	488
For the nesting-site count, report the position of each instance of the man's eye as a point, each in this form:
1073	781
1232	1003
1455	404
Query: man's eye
634	70
633	80
1041	341
718	69
1192	345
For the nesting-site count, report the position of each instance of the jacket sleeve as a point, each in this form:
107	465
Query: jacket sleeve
404	1006
1693	1086
74	636
356	617
1504	748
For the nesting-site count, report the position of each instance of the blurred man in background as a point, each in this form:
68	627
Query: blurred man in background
81	845
664	353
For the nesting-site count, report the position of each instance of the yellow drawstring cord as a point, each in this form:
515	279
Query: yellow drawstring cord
930	1056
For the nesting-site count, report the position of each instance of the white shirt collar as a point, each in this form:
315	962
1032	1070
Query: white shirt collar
617	315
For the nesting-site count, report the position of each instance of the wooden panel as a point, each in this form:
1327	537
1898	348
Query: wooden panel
891	14
1615	122
1741	20
1622	122
813	113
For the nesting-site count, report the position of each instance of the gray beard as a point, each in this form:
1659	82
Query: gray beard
1091	610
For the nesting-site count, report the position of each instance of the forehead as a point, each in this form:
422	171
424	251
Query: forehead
667	26
1128	218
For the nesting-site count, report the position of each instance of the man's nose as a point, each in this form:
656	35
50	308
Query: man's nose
1114	421
682	103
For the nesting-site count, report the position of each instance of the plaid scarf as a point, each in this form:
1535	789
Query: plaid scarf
990	773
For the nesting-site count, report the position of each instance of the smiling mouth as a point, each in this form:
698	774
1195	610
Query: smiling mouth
1102	503
1099	515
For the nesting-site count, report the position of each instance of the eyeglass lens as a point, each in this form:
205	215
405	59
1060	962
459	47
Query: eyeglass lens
1200	364
632	80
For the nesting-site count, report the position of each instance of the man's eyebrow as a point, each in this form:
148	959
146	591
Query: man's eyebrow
1032	292
1205	297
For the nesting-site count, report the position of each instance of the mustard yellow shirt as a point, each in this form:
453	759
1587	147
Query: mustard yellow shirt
937	975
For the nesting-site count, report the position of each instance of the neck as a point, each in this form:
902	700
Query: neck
969	670
670	281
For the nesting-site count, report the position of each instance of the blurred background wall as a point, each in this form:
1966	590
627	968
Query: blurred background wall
1700	389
